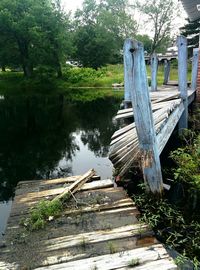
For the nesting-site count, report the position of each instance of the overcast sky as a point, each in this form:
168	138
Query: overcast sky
71	4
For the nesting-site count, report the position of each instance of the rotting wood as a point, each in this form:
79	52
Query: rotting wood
115	261
143	115
75	186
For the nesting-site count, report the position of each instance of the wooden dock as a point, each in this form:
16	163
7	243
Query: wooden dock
155	112
167	108
99	230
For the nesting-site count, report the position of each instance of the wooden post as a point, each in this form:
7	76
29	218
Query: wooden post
182	80
195	61
127	82
154	71
143	116
166	71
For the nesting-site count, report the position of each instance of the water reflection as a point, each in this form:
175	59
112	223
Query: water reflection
47	137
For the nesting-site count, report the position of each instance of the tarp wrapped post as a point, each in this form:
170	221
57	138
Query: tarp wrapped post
150	160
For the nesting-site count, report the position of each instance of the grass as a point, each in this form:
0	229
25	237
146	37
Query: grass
75	82
111	247
176	218
41	214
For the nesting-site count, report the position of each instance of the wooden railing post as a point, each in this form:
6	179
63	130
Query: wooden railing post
143	116
166	71
154	71
127	78
182	80
195	61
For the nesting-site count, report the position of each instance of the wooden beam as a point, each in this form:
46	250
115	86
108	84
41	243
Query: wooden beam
182	80
128	84
143	116
154	71
164	135
195	61
166	71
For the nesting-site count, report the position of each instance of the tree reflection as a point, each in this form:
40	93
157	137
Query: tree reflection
37	133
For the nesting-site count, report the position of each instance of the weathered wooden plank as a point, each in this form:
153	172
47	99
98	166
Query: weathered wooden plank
37	185
168	128
127	83
164	264
93	237
154	71
143	116
74	187
195	61
166	71
182	79
115	261
156	106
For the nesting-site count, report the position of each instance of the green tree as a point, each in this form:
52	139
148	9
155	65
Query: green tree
191	30
100	29
160	14
37	28
146	40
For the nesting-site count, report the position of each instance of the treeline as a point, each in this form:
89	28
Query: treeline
39	35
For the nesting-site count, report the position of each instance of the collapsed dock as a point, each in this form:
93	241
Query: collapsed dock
98	230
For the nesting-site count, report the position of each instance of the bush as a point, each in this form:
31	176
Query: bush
76	75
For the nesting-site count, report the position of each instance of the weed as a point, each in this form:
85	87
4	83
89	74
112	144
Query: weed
134	262
111	247
41	213
83	242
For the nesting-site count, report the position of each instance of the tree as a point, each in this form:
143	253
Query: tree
146	40
100	29
160	15
191	30
37	28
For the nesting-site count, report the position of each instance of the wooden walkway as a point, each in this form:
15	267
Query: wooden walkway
99	230
167	107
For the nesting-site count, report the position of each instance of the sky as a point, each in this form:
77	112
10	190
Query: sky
71	4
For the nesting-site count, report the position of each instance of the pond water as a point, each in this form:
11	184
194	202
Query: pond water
48	137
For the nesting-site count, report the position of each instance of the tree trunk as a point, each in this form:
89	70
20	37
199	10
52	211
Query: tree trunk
25	59
59	70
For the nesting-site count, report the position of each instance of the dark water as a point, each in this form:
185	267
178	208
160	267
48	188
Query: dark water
48	137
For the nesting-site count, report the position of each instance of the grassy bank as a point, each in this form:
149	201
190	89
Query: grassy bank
15	83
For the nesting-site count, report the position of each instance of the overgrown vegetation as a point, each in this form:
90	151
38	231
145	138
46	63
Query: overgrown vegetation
43	212
176	221
42	83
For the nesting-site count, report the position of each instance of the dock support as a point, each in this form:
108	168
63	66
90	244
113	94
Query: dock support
154	71
195	61
143	116
166	71
127	78
182	80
